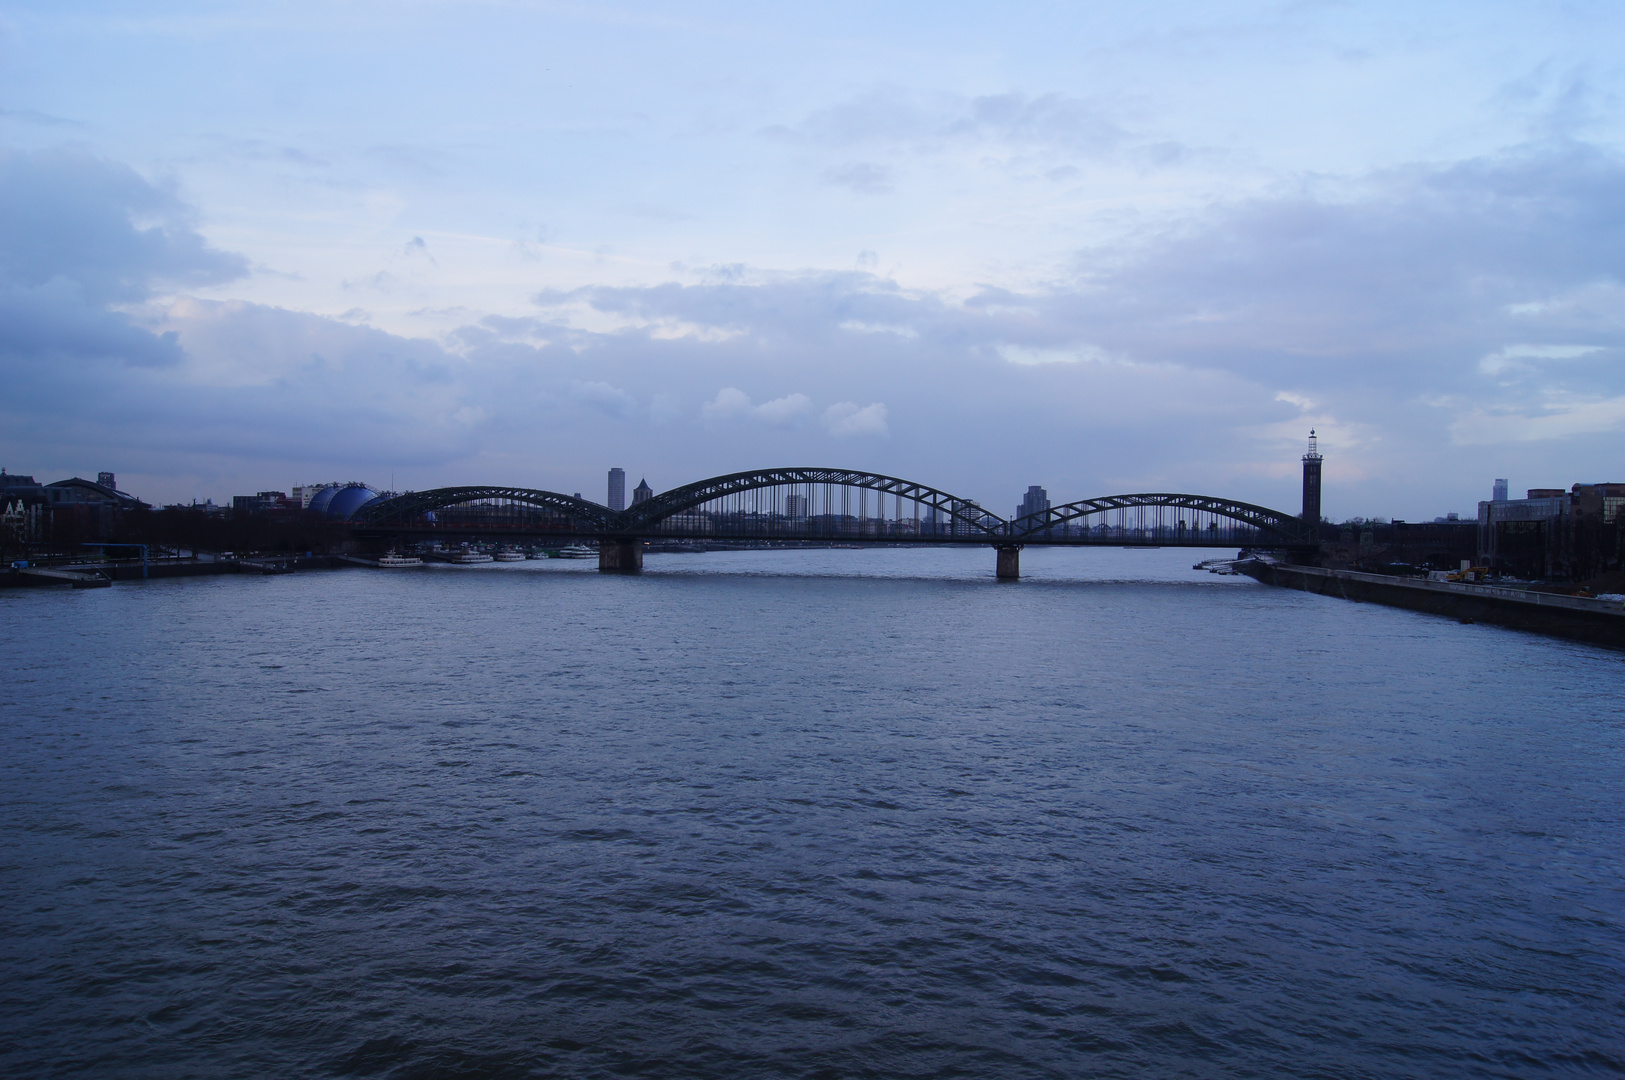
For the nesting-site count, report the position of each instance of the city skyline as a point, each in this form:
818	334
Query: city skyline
1113	252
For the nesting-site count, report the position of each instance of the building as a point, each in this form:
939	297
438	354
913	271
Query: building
617	489
1311	481
79	492
795	507
1552	533
1523	537
641	492
24	490
1498	491
265	501
81	509
1036	501
24	510
306	492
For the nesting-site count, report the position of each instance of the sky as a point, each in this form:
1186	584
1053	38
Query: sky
1104	248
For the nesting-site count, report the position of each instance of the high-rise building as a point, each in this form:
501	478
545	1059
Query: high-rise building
641	492
617	489
1036	501
1498	492
795	506
1311	481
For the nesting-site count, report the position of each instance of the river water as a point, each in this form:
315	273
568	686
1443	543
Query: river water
801	814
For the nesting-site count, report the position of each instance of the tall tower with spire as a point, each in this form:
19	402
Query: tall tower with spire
1311	481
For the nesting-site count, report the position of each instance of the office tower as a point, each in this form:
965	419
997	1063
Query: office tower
1036	501
795	506
617	489
1498	493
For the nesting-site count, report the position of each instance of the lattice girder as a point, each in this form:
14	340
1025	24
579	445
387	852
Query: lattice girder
648	514
1259	517
405	508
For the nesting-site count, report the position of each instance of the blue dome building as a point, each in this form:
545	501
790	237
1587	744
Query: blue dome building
347	500
319	502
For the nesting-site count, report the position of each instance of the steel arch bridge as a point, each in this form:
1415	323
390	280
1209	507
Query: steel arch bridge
828	505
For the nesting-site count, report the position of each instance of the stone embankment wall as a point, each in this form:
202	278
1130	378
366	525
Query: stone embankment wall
1600	622
131	570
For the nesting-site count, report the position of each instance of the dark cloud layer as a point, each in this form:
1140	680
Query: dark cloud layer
1418	274
72	217
78	234
1445	315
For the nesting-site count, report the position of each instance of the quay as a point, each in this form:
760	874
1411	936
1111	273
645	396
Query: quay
82	575
1579	618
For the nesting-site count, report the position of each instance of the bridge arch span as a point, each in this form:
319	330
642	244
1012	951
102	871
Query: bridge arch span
812	500
519	508
1205	512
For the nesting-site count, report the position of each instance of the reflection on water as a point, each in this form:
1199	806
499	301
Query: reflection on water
801	813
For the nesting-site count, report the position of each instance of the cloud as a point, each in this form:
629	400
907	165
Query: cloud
784	410
731	401
1551	419
845	419
101	226
77	236
863	177
32	116
1524	358
52	324
244	385
607	399
1417	314
417	246
908	121
1408	311
1077	354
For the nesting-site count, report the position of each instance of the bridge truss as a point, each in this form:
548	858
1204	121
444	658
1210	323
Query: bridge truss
1164	519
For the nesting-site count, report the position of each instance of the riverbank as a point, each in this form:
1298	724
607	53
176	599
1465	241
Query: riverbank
63	574
1599	622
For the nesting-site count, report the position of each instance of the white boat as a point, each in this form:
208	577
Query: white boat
464	556
577	551
509	555
392	559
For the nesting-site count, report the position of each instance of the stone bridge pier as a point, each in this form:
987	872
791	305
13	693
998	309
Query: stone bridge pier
1009	565
620	556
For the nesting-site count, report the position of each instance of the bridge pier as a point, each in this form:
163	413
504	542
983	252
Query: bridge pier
1009	565
620	556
